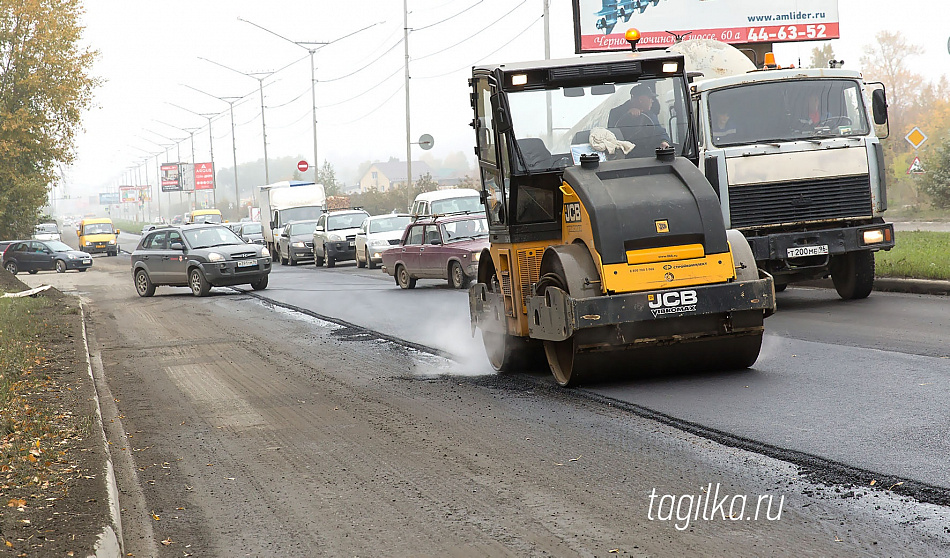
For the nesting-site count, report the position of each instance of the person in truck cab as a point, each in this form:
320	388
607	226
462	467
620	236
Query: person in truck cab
637	121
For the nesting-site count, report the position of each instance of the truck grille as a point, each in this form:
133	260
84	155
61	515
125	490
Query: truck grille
807	200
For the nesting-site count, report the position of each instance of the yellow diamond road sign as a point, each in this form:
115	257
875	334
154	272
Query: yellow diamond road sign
916	137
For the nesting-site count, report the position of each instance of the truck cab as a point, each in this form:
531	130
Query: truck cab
799	170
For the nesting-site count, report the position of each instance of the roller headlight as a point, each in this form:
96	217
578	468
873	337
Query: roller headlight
215	257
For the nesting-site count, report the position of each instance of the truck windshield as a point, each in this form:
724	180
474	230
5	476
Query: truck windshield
301	213
97	228
644	115
787	111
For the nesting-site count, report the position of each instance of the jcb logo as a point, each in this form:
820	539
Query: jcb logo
675	302
572	212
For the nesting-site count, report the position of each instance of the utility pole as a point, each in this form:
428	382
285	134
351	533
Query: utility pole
405	41
260	77
214	183
191	133
230	101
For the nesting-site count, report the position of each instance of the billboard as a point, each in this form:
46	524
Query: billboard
599	25
187	177
204	176
171	177
108	198
128	194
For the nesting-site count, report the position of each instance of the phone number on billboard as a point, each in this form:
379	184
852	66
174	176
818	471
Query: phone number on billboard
780	33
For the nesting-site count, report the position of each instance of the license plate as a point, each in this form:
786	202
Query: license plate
802	251
246	263
353	244
87	262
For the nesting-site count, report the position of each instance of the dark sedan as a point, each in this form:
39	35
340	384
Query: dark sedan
39	255
438	248
198	257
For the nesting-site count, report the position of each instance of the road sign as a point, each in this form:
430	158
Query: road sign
426	142
916	167
916	137
302	166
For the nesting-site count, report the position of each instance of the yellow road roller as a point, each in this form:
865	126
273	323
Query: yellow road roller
608	252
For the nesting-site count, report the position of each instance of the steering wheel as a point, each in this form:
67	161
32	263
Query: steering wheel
836	121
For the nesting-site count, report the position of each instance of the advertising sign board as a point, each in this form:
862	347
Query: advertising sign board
170	177
599	25
128	194
204	176
187	177
108	198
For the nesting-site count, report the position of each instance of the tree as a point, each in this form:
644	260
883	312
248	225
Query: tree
45	85
327	176
936	181
821	56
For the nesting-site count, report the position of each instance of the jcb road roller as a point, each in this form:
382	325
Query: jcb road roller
608	252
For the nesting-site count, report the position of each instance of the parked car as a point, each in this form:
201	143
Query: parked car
334	238
198	257
47	231
295	242
98	235
252	232
444	202
376	235
39	255
438	248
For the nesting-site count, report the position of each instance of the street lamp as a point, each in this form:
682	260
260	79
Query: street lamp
230	101
177	143
214	182
260	77
310	48
191	133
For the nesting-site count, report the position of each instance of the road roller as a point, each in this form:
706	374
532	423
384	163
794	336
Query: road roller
608	257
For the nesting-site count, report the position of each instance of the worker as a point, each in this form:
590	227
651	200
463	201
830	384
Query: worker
637	122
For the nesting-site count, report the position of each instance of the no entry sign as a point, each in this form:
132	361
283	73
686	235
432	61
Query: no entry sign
302	166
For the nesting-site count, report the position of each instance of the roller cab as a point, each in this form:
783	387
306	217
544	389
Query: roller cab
608	256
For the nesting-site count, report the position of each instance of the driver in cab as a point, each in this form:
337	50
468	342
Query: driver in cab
637	121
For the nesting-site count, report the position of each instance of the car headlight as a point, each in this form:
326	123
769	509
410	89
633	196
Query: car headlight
333	237
72	256
379	242
111	242
299	245
475	256
87	243
265	253
215	257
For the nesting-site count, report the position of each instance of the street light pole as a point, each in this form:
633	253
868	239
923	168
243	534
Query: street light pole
191	133
260	82
405	41
214	182
230	101
178	148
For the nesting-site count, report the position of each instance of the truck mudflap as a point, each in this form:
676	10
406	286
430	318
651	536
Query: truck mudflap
782	246
555	316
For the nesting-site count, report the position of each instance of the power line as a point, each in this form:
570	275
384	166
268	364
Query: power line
518	36
354	97
480	31
450	17
399	42
400	88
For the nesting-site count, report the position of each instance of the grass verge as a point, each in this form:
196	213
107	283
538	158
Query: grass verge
917	254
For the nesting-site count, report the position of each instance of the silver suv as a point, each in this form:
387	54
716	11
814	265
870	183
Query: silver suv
334	238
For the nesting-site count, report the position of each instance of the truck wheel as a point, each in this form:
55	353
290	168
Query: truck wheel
853	274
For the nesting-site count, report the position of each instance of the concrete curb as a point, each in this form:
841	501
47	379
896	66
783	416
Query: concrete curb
894	285
109	544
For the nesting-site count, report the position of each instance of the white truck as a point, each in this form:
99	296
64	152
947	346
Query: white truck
799	170
282	202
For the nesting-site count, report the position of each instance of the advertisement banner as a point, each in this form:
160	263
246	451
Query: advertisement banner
599	25
204	176
170	177
187	177
108	198
128	194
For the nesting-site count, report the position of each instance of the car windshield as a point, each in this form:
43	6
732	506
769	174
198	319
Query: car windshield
587	120
457	205
98	228
466	229
208	237
388	224
252	229
302	228
301	213
58	246
208	218
787	111
47	229
346	221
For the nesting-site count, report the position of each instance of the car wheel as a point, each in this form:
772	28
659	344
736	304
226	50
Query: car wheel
82	269
12	267
369	261
317	260
290	257
143	285
457	277
331	261
33	271
260	284
199	285
360	263
60	266
403	278
283	260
